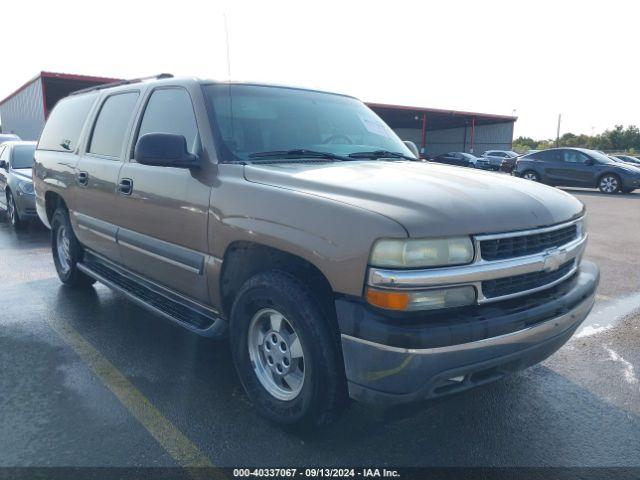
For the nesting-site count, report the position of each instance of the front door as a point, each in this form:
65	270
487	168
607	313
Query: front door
163	211
575	170
97	173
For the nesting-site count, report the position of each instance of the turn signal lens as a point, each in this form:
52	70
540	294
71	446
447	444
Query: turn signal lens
388	300
432	299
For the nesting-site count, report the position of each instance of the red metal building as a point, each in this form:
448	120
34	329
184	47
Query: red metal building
25	110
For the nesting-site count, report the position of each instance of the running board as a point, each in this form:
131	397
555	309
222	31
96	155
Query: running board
159	300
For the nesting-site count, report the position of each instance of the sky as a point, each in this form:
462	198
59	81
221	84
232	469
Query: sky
535	59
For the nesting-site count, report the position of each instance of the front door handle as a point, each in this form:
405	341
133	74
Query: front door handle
125	187
83	179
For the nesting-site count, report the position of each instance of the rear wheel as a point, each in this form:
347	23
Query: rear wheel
67	251
12	213
609	183
287	352
531	175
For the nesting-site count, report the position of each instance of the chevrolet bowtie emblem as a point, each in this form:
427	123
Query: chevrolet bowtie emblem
553	258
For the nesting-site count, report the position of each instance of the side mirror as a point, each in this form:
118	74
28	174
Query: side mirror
589	162
4	165
412	147
164	150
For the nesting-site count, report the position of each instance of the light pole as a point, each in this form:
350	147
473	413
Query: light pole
558	131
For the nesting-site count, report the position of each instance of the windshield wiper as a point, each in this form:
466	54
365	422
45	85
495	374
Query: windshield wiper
380	154
297	153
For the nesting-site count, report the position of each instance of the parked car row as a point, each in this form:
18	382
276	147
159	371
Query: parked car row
490	160
579	167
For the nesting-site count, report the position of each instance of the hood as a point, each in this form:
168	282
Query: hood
427	199
628	167
23	173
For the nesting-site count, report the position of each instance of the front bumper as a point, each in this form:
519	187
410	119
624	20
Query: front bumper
26	205
394	360
629	182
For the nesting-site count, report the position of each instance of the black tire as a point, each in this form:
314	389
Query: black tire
12	213
609	183
628	190
531	175
323	395
70	275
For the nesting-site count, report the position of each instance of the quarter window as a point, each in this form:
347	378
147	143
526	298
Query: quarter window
62	130
170	111
112	124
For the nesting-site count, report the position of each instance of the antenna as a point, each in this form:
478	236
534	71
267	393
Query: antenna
226	35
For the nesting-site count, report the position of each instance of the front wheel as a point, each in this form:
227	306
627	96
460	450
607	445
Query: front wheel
12	213
287	352
609	183
67	251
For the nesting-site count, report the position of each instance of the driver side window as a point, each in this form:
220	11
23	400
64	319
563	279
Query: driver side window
169	110
573	156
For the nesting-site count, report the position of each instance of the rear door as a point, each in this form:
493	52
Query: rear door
549	163
97	173
4	155
163	211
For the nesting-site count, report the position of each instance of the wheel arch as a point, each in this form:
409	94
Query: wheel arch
244	259
52	201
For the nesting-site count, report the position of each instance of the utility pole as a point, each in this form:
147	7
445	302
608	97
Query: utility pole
558	131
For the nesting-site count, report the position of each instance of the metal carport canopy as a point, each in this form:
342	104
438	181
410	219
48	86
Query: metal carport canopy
426	119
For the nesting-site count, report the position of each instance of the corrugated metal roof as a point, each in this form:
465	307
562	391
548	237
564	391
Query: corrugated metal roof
67	76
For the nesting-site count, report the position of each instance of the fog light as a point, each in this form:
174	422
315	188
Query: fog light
422	300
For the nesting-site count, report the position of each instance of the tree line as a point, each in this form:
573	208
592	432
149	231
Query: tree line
618	139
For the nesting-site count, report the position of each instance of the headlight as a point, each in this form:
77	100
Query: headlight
431	299
581	227
26	188
422	253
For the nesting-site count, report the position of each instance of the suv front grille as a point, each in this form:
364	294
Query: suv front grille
521	283
518	246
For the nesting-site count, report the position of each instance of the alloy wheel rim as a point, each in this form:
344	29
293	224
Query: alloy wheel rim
63	248
530	176
276	354
609	184
11	210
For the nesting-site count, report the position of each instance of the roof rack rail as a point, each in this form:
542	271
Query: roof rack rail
102	86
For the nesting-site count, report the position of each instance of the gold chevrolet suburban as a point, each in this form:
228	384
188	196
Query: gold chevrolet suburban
296	223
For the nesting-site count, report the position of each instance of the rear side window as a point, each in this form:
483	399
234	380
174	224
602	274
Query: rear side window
62	131
112	124
550	156
169	110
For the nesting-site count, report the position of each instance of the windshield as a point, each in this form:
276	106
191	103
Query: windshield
250	120
600	157
468	156
511	153
22	156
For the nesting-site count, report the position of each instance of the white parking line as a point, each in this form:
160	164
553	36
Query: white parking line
607	314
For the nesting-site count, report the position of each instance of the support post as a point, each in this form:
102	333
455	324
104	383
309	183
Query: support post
473	131
424	134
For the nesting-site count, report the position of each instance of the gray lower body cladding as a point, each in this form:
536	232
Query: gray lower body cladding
395	360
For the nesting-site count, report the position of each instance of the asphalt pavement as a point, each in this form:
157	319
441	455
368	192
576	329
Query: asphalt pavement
89	379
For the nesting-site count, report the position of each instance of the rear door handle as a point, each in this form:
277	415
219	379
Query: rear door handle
125	187
83	179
